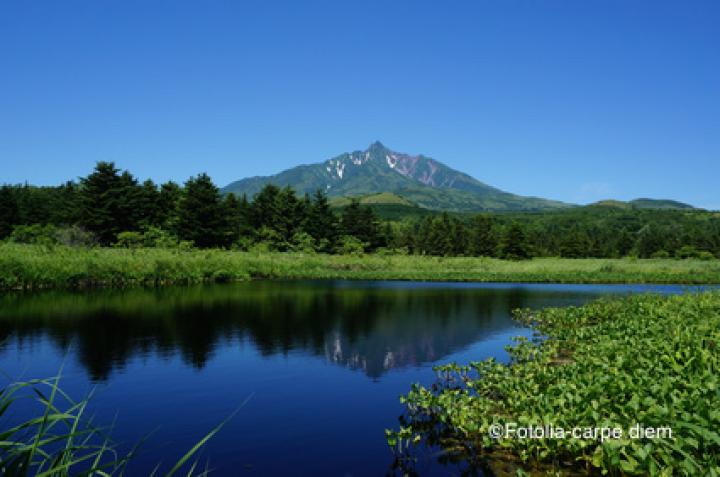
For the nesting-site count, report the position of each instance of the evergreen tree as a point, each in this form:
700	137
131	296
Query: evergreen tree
514	246
576	244
624	243
67	204
361	222
439	240
238	216
321	222
290	215
109	202
9	214
148	203
201	215
483	239
265	210
167	204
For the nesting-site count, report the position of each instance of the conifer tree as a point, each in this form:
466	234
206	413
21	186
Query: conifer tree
321	222
109	202
201	215
167	204
9	215
514	246
483	240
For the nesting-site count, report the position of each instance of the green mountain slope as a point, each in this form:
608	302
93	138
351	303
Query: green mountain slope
417	179
643	203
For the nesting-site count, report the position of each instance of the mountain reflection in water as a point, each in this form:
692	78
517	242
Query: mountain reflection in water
368	328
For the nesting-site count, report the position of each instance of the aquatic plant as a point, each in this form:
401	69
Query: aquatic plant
643	362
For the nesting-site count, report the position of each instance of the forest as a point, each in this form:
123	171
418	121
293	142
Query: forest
110	207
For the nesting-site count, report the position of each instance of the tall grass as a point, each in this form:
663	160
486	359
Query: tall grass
32	267
60	440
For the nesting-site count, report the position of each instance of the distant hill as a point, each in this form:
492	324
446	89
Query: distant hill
381	198
418	180
643	203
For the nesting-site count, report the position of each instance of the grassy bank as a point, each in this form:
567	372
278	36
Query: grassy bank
643	360
30	267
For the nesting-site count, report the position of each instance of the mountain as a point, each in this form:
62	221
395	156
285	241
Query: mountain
644	203
419	180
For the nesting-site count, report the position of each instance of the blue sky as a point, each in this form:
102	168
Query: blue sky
565	99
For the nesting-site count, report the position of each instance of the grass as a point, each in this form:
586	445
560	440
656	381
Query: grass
60	440
648	360
35	267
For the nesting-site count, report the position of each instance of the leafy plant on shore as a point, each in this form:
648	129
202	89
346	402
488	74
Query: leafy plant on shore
646	360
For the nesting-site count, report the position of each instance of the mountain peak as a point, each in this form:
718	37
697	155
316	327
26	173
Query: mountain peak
377	146
416	178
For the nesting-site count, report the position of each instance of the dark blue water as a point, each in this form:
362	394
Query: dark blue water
322	362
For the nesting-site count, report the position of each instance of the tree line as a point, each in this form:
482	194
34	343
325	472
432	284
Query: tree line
110	207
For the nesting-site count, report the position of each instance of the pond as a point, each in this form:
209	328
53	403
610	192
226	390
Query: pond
322	363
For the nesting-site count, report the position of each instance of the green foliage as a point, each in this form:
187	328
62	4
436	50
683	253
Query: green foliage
201	215
349	245
110	202
514	246
9	213
360	221
74	236
483	237
321	222
34	267
303	242
34	234
129	240
645	360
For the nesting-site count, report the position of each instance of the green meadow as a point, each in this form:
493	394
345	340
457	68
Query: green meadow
37	267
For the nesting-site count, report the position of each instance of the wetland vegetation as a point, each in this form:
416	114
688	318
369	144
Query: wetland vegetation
645	360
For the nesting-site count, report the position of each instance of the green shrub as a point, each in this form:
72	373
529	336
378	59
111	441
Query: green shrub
34	234
687	251
349	245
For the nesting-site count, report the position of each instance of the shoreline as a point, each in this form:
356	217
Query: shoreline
27	267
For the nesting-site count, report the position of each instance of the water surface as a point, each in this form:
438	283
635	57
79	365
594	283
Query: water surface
323	362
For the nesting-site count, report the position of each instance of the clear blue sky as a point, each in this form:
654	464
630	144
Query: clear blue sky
576	100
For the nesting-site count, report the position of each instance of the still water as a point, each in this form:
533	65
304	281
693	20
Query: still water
323	363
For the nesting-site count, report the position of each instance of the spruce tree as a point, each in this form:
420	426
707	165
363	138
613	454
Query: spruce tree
361	222
201	215
321	222
9	215
168	200
109	202
514	246
483	240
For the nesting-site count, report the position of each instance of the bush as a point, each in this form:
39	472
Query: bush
34	234
349	245
129	240
705	255
75	236
303	242
687	251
